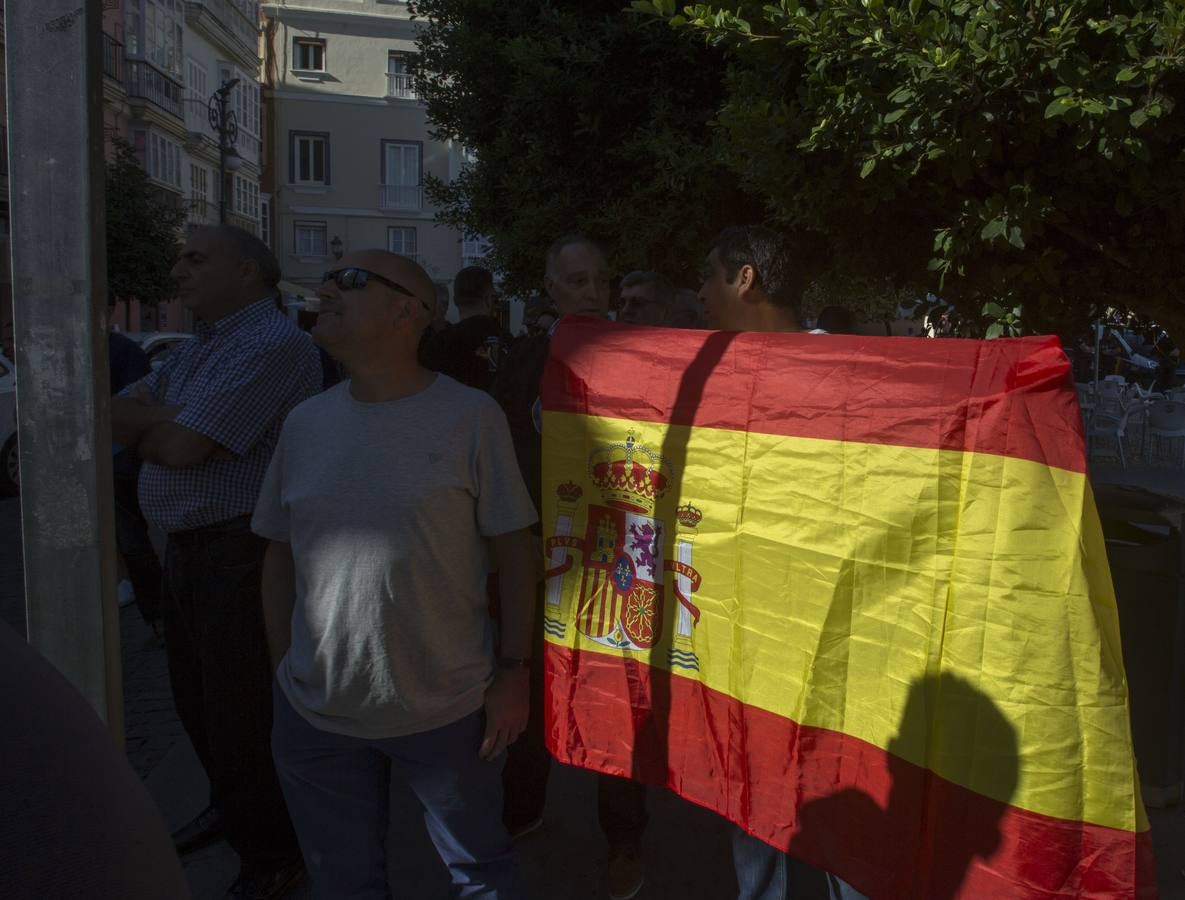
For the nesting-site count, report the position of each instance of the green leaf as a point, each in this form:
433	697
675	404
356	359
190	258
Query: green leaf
1138	118
1015	238
992	229
995	310
869	165
994	330
1059	106
915	7
895	115
1125	75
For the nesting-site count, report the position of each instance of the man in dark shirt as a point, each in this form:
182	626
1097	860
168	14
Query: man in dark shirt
471	350
578	282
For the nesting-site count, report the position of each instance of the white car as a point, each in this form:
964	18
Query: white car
9	462
157	344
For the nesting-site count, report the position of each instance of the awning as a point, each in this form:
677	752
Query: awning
298	290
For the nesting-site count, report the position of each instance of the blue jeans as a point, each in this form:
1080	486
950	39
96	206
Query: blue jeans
764	873
337	789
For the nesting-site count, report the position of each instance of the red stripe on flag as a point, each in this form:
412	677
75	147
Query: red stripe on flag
1008	397
890	828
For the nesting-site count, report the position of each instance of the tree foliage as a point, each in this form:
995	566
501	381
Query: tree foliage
143	237
582	119
1024	159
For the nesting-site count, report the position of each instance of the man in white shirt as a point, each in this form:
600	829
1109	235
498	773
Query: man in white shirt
381	501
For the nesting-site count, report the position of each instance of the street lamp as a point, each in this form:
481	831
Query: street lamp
223	121
336	246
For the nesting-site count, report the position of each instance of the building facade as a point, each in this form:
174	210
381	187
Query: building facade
162	62
348	143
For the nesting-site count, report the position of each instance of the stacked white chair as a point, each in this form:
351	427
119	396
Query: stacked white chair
1166	421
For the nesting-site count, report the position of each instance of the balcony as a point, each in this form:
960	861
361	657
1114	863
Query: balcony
148	82
409	197
113	62
227	22
401	86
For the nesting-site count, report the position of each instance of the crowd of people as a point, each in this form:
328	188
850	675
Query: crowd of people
325	592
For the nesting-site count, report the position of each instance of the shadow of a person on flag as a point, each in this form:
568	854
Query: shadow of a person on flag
652	737
950	774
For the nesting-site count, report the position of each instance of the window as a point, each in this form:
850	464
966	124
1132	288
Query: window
162	33
308	55
160	156
195	83
308	157
247	198
265	219
402	241
310	239
402	174
199	189
475	248
400	82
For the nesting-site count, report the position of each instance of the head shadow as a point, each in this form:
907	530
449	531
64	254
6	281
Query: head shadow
949	773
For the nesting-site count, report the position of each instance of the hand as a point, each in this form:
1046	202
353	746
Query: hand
508	701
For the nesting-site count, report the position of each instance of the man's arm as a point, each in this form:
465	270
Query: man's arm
279	598
177	447
132	415
508	698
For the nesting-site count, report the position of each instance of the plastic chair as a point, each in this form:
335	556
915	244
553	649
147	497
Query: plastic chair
1166	419
1108	423
1111	396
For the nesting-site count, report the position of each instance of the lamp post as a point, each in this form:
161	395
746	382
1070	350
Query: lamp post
223	121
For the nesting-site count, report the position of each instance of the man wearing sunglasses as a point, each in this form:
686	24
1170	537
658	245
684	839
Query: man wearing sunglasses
382	500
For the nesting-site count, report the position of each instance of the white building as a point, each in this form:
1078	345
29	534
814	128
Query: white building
162	62
349	141
222	47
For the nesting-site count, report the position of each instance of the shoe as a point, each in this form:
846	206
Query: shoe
127	594
625	873
266	883
521	831
204	830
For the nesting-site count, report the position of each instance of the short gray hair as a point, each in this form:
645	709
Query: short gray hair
245	245
664	291
552	257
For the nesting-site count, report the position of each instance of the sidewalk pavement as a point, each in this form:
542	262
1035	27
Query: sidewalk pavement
687	847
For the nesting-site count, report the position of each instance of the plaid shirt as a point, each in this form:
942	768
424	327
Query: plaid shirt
236	381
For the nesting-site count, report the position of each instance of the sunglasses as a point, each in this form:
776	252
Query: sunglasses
354	279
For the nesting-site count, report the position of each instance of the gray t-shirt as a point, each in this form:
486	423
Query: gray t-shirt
387	507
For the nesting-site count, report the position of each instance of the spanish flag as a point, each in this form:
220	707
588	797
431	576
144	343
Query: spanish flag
852	594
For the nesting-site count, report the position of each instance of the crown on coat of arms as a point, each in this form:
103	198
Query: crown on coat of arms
569	492
629	476
688	515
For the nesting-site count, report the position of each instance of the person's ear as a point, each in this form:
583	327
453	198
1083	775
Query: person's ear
248	271
746	280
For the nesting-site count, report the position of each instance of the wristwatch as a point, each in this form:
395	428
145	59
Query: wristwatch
513	662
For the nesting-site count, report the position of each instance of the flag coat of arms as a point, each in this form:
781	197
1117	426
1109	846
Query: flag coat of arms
850	593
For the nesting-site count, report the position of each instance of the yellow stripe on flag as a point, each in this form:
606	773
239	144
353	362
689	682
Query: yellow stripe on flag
835	574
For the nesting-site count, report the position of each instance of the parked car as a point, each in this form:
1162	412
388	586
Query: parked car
9	460
157	344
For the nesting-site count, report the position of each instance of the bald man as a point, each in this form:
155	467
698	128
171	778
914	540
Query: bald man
379	505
